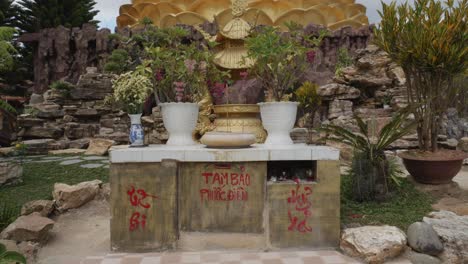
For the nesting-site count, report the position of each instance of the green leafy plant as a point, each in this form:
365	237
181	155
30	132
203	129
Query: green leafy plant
7	107
118	62
309	99
131	90
10	257
280	60
344	60
429	41
7	50
63	87
371	170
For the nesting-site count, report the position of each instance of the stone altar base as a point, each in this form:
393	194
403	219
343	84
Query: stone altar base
192	198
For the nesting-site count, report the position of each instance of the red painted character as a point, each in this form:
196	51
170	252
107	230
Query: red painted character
302	205
137	197
136	221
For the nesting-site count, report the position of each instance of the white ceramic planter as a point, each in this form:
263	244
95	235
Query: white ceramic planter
180	120
278	119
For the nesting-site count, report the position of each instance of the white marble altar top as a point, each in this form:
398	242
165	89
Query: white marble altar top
199	153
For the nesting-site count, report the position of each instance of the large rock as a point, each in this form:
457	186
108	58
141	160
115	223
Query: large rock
374	244
82	143
73	196
32	227
423	239
453	230
43	132
93	86
338	91
99	146
43	207
339	108
10	245
10	173
37	146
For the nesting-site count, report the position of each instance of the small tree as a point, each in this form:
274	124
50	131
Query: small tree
7	50
430	42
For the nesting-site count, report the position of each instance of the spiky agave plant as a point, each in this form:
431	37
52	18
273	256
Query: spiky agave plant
371	170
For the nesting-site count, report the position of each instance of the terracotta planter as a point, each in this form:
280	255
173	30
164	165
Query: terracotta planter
439	169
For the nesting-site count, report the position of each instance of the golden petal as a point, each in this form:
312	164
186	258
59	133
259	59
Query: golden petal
332	14
301	16
125	20
210	8
129	10
273	8
187	18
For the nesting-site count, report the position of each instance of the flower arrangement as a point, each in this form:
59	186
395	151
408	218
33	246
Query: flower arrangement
281	59
181	72
131	90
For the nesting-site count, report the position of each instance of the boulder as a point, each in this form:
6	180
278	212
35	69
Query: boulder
374	244
36	99
422	238
99	146
43	207
10	173
73	196
93	86
452	229
30	122
32	227
340	108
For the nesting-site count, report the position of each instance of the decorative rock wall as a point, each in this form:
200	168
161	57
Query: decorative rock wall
64	53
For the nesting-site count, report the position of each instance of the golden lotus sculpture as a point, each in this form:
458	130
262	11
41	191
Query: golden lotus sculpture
333	14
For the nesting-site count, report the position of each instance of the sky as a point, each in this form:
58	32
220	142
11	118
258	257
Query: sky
109	10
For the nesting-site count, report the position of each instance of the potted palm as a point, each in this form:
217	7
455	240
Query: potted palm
180	75
131	90
280	62
428	40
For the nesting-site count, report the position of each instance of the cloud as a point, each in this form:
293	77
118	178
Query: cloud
109	10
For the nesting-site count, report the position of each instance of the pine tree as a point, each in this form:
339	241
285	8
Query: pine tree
38	14
8	13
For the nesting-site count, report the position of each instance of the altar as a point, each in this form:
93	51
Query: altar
196	198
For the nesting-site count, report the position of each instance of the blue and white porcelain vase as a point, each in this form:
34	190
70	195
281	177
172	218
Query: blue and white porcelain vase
137	135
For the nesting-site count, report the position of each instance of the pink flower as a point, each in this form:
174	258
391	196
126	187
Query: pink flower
179	91
158	75
311	56
190	64
244	75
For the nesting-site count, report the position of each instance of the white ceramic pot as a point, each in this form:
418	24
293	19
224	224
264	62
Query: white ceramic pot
180	120
278	119
137	136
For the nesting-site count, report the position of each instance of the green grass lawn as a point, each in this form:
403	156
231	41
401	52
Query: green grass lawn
406	206
38	183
